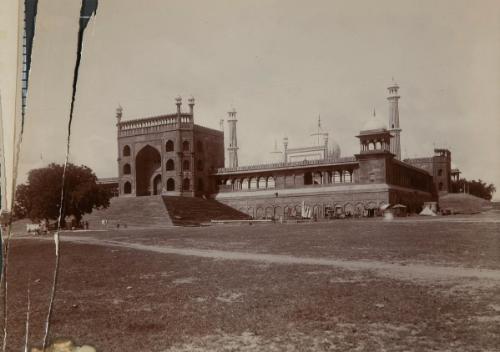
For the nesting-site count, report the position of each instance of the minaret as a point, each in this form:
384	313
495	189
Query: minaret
178	147
191	106
285	149
119	113
394	119
233	141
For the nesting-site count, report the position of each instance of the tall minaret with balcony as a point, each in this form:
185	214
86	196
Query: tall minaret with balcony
233	141
393	99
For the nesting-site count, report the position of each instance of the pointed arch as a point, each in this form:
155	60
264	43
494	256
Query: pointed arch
147	161
127	188
170	185
127	169
186	184
169	146
126	151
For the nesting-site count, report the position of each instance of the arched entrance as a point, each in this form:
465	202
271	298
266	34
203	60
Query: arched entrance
170	185
127	188
157	185
147	161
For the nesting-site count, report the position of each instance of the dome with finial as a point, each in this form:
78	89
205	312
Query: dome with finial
374	123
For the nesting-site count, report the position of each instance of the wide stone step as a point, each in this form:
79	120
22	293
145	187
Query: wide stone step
159	212
132	212
185	210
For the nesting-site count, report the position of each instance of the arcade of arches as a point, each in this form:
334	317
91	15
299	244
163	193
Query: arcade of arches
269	182
319	210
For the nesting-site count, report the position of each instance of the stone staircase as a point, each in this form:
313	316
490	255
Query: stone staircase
186	211
131	212
160	212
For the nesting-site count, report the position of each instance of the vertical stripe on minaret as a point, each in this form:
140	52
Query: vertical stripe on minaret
394	119
233	141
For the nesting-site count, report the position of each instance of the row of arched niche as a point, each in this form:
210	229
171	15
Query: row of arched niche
169	147
169	166
318	210
375	144
170	186
269	182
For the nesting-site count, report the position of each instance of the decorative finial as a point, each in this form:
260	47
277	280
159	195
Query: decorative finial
191	105
178	102
119	112
393	88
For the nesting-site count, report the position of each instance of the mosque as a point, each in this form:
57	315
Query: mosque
171	156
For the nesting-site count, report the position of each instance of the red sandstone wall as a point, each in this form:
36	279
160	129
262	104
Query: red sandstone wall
208	158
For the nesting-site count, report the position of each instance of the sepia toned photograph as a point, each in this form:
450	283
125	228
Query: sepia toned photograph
272	175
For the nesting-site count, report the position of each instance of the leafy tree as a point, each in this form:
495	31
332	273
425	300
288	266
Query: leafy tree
39	198
477	188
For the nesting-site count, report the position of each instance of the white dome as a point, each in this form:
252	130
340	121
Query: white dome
374	123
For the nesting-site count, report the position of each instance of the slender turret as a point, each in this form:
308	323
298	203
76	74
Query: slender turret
393	99
191	106
119	114
285	149
178	141
233	141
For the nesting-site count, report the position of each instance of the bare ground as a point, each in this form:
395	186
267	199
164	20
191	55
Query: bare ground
361	286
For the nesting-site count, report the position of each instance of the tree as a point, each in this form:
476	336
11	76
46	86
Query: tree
477	188
39	198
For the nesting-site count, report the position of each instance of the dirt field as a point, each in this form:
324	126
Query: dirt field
344	285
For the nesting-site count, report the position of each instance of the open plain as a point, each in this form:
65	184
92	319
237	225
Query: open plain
346	285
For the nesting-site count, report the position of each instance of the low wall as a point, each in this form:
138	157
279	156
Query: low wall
353	198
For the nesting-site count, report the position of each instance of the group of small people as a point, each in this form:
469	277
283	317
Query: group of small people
81	225
104	223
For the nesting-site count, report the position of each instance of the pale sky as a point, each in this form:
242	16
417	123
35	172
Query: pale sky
279	63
